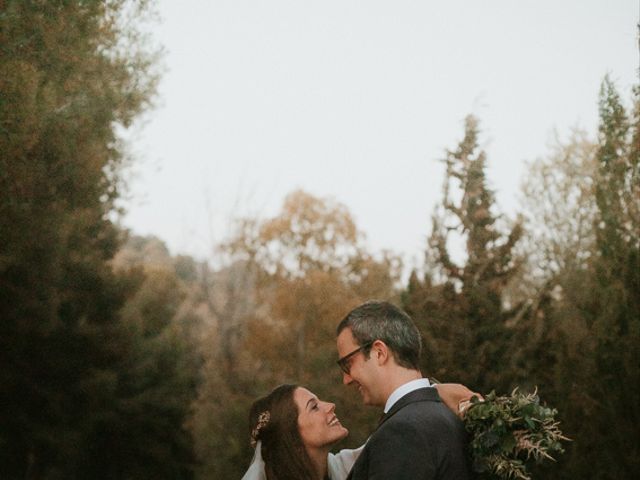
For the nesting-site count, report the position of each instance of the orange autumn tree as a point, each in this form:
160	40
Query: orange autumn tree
314	269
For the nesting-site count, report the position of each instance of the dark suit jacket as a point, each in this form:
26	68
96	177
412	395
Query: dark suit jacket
418	439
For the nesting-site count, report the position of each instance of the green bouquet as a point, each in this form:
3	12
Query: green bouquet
510	433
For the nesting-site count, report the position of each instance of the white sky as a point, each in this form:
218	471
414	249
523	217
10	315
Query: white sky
357	100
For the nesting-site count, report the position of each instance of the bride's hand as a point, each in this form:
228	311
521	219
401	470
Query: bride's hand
456	397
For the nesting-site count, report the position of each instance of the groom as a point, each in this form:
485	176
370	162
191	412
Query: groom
418	437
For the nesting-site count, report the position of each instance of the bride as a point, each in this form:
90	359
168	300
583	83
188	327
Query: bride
293	431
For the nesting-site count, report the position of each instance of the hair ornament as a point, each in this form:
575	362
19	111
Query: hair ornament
263	421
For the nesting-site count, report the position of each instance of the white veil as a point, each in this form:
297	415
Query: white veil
256	469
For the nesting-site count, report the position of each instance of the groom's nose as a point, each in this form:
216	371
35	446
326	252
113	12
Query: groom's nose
346	378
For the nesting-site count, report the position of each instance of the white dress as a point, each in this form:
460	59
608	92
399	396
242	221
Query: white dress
340	464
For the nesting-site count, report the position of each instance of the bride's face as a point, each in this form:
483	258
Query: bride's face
319	427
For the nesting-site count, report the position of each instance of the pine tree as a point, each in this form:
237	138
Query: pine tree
459	305
613	313
590	308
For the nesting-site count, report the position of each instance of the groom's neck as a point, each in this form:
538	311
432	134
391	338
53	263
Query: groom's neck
396	377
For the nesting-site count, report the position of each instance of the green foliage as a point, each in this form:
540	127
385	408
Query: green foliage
509	433
459	305
575	329
611	313
71	74
581	337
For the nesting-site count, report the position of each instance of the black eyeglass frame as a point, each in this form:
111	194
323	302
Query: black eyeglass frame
343	362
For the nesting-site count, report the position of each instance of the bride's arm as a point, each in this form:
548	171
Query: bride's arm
339	464
456	396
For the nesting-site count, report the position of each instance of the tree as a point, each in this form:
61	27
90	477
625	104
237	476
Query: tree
588	294
559	211
71	72
459	306
146	435
613	312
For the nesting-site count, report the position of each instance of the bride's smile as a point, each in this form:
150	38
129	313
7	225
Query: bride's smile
318	424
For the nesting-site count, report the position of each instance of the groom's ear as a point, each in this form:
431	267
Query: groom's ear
380	352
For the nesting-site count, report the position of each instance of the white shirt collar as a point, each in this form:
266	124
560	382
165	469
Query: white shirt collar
402	390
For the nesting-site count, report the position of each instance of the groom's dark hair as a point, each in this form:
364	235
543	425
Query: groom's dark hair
376	320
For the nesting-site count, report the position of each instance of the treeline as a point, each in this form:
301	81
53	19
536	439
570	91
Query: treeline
121	361
91	382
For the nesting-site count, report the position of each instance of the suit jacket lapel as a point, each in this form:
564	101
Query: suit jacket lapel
429	394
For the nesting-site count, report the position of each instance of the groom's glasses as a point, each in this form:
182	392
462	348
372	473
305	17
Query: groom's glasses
345	364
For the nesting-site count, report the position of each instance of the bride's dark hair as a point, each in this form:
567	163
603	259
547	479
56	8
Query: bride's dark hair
283	452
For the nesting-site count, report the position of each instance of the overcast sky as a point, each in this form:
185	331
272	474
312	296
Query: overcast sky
357	100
